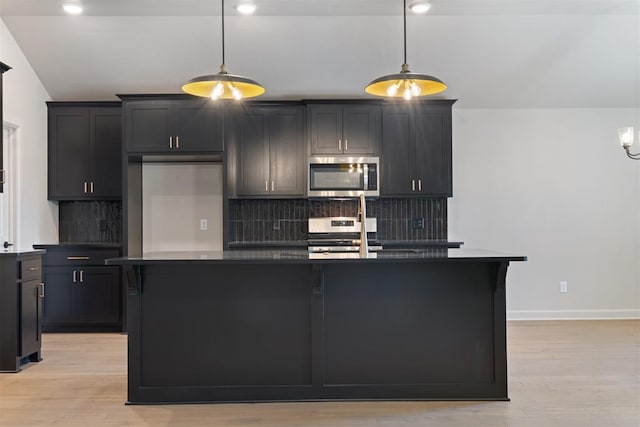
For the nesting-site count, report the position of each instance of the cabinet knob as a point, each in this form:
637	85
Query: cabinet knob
85	187
41	290
420	185
266	186
413	185
346	145
74	276
170	142
91	187
177	142
272	186
339	145
81	276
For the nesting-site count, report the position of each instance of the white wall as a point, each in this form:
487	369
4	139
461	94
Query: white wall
24	106
175	197
554	185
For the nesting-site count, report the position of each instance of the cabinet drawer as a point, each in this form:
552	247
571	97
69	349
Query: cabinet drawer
30	269
80	257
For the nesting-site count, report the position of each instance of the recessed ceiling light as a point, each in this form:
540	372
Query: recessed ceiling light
72	8
246	8
419	7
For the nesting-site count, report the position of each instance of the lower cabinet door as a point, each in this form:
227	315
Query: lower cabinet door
30	317
81	295
59	282
100	295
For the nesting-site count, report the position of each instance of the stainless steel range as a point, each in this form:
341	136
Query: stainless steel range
341	234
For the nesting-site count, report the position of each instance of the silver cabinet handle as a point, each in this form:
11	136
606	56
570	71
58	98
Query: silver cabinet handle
81	278
91	187
339	145
266	186
420	185
33	268
41	290
85	187
170	142
74	277
272	186
346	145
75	258
177	142
413	185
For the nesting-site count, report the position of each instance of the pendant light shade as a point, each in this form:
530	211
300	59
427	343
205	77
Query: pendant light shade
223	85
405	84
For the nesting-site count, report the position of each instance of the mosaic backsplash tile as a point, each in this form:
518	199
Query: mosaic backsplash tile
276	220
90	222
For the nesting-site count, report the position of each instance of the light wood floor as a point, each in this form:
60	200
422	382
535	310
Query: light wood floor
578	373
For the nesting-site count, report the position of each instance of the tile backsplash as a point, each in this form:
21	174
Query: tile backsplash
276	220
90	222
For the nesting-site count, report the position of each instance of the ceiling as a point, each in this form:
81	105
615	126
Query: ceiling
491	53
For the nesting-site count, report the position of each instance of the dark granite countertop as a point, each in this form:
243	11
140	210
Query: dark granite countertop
78	245
300	256
19	251
269	244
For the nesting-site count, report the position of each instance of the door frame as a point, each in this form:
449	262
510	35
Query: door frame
12	184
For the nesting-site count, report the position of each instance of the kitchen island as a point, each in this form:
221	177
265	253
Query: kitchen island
275	325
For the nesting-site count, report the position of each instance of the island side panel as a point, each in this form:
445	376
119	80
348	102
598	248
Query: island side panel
416	331
221	333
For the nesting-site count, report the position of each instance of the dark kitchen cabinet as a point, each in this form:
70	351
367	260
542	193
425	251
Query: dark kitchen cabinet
84	151
82	293
267	151
21	303
344	129
173	126
416	149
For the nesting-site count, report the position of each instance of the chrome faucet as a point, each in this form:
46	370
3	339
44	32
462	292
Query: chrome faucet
362	212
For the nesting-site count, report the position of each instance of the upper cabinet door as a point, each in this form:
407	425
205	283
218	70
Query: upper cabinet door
432	152
85	151
344	129
325	129
149	126
361	129
252	153
173	126
198	126
69	173
397	152
286	151
416	147
107	152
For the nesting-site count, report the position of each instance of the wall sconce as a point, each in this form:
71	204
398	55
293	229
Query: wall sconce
626	140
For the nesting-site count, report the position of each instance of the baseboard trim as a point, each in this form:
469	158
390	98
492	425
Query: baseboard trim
572	314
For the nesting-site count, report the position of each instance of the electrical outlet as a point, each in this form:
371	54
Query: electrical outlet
418	223
203	225
563	287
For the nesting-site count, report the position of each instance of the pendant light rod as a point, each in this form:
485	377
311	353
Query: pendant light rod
404	10
223	32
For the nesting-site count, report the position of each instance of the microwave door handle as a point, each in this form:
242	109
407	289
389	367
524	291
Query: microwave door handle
365	178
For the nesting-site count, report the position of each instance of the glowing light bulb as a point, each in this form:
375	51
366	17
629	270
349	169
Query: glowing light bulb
72	8
407	94
626	136
393	89
217	91
236	94
415	89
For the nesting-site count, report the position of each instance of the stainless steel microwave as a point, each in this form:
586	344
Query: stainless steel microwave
343	177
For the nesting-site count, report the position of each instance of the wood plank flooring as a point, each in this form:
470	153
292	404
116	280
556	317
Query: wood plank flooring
569	373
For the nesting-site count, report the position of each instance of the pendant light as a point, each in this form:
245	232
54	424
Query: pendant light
405	84
223	85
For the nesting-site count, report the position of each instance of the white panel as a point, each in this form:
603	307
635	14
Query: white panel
175	198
